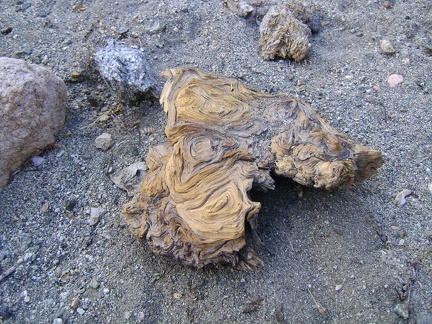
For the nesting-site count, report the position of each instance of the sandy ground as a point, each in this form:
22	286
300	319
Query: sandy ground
346	256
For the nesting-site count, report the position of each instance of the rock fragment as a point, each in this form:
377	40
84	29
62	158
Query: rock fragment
283	35
104	141
80	311
32	111
241	8
395	79
95	215
386	47
126	70
75	303
400	199
37	160
94	284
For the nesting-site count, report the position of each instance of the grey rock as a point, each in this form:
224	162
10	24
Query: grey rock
80	311
400	199
402	309
95	215
24	51
241	8
126	70
94	284
37	160
123	30
57	321
154	27
104	141
25	6
283	35
32	111
386	47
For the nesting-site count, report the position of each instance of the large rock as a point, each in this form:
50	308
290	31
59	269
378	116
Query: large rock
126	70
32	111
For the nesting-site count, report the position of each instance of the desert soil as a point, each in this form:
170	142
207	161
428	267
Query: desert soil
345	256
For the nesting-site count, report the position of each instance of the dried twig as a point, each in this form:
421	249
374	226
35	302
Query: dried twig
10	271
319	307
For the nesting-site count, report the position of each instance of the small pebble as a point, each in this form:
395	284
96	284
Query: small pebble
27	299
402	310
42	14
25	50
37	160
94	284
104	141
25	6
395	79
400	197
75	75
127	315
6	30
387	5
430	187
123	30
386	47
154	28
80	311
75	303
338	287
58	321
95	215
177	295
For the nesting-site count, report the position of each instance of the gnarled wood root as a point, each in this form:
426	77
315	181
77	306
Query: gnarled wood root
222	139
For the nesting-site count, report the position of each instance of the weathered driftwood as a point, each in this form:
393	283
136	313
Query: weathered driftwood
222	139
283	35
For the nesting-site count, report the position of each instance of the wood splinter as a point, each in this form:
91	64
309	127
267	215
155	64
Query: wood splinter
223	139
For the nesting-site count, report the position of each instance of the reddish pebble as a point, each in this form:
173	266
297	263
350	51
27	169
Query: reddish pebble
395	79
387	4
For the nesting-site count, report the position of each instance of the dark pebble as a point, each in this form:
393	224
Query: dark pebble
42	14
6	30
25	6
48	23
25	50
70	205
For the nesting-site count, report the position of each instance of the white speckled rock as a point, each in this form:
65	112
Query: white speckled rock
32	111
